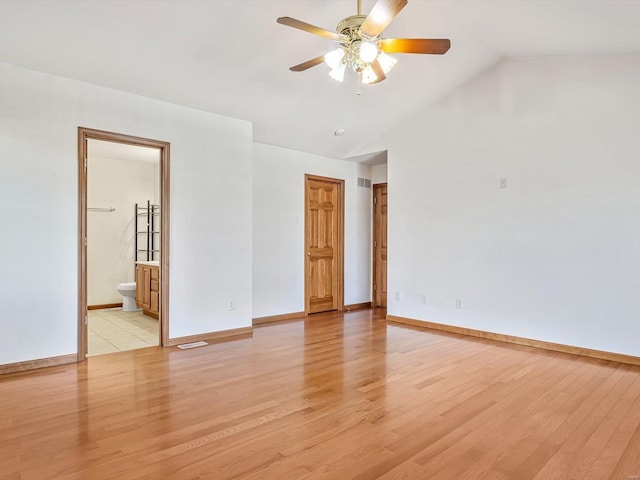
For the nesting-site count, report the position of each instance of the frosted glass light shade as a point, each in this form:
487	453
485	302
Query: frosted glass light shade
386	62
338	73
334	58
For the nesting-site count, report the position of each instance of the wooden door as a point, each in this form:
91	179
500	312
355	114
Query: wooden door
324	244
380	245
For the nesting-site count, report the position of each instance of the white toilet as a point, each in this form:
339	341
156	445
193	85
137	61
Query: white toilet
128	292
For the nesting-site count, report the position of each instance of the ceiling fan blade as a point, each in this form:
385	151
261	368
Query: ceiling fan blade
307	27
377	69
436	46
381	15
308	64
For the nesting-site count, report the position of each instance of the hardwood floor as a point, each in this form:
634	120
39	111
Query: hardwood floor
330	397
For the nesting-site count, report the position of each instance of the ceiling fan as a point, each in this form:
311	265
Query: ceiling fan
361	47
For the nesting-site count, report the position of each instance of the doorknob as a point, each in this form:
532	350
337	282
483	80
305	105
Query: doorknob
308	254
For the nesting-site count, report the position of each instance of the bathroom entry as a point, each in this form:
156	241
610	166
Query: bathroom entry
123	242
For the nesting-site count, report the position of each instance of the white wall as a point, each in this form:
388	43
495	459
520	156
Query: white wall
379	174
120	184
210	260
278	228
556	255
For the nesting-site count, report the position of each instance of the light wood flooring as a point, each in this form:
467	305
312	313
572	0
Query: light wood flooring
329	397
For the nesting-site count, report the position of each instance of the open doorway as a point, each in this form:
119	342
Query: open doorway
123	248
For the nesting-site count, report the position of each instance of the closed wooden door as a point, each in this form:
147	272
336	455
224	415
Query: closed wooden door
380	245
324	240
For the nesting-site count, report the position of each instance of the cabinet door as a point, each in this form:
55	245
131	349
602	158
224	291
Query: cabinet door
155	303
146	294
139	286
155	290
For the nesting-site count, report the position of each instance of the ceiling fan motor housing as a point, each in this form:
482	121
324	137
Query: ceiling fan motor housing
349	28
347	25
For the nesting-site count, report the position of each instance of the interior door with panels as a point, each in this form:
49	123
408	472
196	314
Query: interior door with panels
380	245
324	244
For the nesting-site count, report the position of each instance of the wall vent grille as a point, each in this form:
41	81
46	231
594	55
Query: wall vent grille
364	182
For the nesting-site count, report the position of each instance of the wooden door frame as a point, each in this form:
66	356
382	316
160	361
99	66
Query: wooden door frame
374	263
339	281
85	134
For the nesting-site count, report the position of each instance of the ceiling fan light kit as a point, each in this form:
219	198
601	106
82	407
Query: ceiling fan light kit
361	47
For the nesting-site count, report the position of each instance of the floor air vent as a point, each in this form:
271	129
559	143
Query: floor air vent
192	345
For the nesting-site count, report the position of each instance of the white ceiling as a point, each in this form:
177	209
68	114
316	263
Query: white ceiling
231	57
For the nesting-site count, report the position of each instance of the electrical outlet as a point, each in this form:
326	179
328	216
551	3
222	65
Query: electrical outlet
397	296
232	305
503	182
423	299
458	304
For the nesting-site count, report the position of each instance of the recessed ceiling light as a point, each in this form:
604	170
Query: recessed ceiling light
339	132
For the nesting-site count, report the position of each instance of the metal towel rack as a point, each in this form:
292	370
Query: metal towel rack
147	224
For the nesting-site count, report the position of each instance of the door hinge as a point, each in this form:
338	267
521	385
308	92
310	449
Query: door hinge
375	287
375	243
85	164
375	200
86	320
85	241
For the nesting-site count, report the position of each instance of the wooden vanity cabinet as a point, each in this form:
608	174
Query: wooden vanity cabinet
148	289
154	294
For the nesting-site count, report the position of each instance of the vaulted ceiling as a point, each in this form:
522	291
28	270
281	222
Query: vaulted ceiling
231	57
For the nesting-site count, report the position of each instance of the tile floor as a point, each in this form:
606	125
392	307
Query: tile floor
113	330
